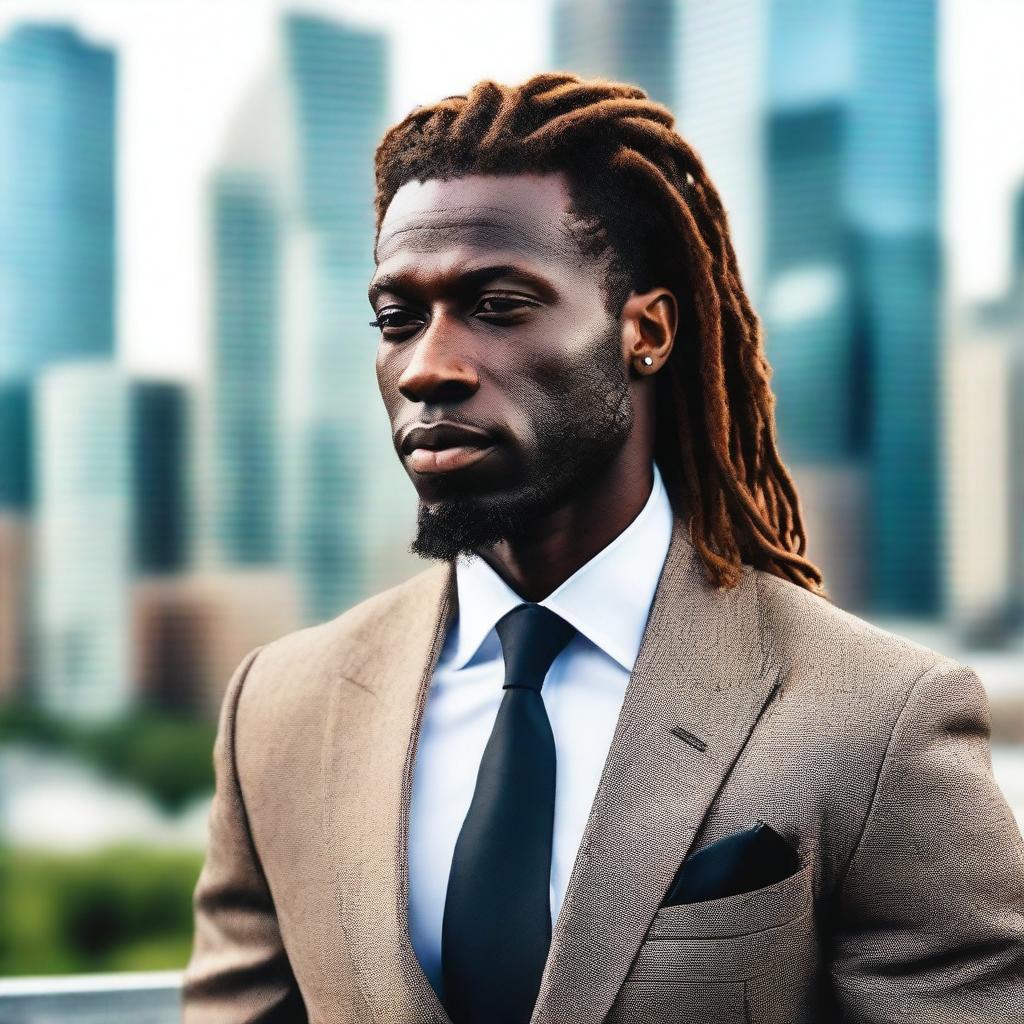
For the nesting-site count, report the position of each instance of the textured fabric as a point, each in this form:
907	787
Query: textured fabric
758	702
583	696
497	914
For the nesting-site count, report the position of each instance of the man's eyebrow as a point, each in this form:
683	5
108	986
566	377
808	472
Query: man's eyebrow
472	278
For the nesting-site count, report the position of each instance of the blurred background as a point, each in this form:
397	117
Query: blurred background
193	455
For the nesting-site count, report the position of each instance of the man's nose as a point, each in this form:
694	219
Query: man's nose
439	368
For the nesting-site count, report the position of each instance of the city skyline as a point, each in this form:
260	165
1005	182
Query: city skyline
173	131
282	462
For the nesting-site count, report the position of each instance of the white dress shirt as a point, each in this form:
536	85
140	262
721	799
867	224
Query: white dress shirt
607	600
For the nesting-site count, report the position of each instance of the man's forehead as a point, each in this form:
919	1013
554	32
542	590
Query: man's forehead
478	227
526	213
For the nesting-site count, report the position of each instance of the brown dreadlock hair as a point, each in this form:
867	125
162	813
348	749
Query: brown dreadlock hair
647	209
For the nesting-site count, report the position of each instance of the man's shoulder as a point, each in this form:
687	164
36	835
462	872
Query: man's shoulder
295	666
824	644
856	678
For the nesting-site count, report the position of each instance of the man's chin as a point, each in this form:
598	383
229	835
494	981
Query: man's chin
446	529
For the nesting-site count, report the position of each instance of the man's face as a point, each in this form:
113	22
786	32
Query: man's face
503	375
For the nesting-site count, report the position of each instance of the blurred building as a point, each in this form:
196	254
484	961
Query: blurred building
305	475
109	456
834	503
853	276
336	433
720	62
84	540
628	42
985	449
984	522
15	540
246	370
57	233
57	168
159	443
15	444
819	125
192	630
57	256
1016	287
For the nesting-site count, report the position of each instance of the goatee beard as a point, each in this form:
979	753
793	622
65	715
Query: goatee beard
578	435
461	526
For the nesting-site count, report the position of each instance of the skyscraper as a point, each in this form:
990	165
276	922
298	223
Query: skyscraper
83	564
340	473
57	265
719	62
305	475
159	442
109	466
245	371
853	270
630	42
57	109
57	181
16	486
985	439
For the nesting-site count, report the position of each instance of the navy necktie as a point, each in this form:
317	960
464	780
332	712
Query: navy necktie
497	915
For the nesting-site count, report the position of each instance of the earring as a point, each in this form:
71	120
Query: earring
648	361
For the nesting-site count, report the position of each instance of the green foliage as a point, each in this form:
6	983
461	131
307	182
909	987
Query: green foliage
20	721
169	757
122	908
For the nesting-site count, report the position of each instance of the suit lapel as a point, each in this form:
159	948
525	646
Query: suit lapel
368	757
701	670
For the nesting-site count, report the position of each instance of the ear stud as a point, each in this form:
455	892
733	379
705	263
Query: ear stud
648	361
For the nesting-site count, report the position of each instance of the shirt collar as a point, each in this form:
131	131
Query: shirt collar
628	568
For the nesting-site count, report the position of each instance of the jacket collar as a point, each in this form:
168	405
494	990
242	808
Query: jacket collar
628	567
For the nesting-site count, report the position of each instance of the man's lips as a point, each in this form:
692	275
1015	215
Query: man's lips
445	446
443	460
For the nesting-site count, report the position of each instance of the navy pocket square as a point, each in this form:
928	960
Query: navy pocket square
736	863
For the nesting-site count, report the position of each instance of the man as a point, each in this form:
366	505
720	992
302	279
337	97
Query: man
615	757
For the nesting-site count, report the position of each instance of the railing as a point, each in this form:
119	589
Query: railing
151	997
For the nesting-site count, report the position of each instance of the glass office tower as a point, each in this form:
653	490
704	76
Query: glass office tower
628	42
245	369
305	476
853	269
57	221
111	503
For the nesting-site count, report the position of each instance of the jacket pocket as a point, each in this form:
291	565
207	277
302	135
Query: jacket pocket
744	913
708	960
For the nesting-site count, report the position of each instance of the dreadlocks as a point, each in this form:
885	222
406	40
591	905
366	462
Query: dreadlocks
647	209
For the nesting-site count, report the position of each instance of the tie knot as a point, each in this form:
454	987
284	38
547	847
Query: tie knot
531	637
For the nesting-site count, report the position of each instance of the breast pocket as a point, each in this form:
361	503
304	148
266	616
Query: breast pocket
742	959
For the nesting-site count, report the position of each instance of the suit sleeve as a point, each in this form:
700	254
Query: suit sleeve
930	916
238	970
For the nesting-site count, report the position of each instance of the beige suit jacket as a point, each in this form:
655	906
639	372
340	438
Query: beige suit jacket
763	701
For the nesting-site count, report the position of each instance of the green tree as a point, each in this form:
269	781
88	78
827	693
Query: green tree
121	908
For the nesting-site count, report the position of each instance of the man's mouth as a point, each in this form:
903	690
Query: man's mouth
445	446
444	460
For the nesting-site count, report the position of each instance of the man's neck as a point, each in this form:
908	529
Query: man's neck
569	536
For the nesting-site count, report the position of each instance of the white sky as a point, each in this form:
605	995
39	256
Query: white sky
186	64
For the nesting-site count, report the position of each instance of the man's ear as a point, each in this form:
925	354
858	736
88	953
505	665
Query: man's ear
649	321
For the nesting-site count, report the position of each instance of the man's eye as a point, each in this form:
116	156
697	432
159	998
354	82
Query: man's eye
505	304
386	319
495	305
